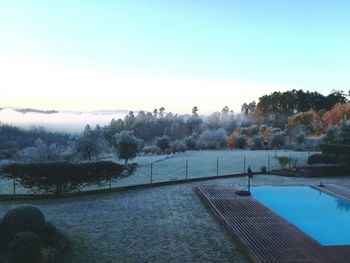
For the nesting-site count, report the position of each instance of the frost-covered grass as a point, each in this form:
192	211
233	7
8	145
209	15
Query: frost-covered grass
204	163
200	164
163	224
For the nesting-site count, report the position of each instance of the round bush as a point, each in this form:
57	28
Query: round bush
52	237
24	218
25	247
4	237
241	142
322	158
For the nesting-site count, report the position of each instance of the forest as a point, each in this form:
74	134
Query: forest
278	120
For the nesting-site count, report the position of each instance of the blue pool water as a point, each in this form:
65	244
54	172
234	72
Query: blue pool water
323	217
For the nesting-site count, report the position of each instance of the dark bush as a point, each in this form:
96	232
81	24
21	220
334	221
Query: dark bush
163	143
25	247
337	149
190	142
278	140
4	237
24	218
241	142
343	162
322	158
52	237
61	177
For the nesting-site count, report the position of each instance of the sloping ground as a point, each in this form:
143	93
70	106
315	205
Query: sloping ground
165	224
200	164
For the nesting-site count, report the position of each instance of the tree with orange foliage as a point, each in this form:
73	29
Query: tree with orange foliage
336	114
231	142
308	122
267	135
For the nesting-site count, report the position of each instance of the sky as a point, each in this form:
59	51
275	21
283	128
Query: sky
141	55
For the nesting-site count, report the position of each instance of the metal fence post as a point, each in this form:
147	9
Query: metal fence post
110	183
217	166
268	163
186	169
244	164
151	173
290	159
14	186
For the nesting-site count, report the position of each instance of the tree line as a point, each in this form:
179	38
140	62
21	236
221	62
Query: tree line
267	124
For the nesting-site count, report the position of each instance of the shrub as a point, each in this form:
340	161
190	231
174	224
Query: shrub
300	137
213	139
343	162
336	114
178	146
283	161
52	237
322	158
163	143
244	131
24	218
343	159
4	236
331	134
258	142
190	142
336	149
309	122
241	142
339	134
278	140
61	177
127	145
231	141
254	130
151	149
25	247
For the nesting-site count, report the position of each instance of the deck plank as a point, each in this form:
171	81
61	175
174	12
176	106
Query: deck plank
263	234
334	190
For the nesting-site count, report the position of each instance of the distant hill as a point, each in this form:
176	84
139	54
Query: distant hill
36	111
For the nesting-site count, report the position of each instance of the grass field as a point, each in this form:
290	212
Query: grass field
200	164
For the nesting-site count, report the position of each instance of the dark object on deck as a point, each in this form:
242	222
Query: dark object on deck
246	191
243	192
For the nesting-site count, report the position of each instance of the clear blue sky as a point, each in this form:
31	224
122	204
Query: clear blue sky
258	45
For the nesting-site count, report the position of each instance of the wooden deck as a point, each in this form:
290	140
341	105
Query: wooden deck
264	235
335	190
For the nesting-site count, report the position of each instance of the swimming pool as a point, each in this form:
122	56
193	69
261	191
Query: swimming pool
323	217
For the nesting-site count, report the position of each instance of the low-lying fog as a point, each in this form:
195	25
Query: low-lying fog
62	121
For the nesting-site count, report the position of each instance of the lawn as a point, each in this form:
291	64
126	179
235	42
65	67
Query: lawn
162	224
200	164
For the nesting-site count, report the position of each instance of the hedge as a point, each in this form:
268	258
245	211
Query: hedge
337	149
322	158
62	177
